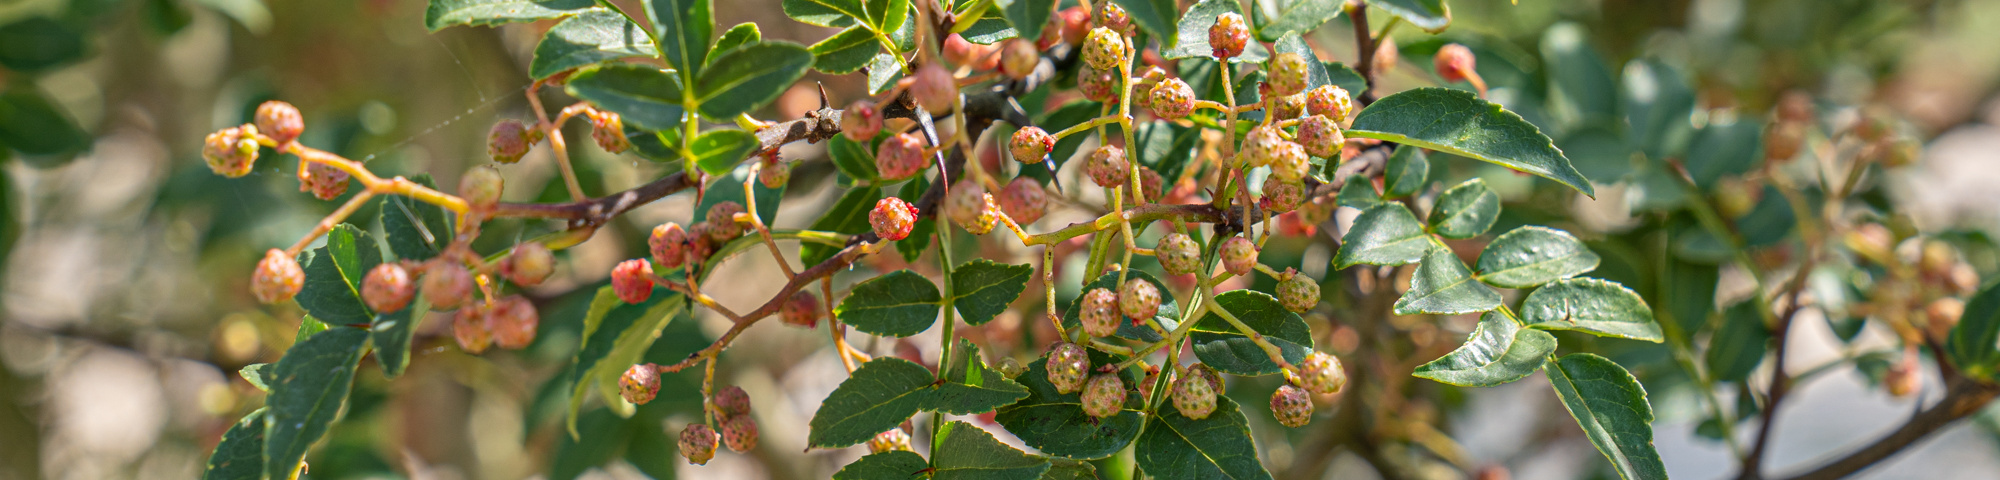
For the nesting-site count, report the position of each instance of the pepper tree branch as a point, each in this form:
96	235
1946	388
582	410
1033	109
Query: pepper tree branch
1962	398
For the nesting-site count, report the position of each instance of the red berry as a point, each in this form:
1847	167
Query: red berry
901	156
472	329
529	264
934	88
1023	200
1107	167
732	401
509	140
1321	136
971	208
1319	373
232	151
1194	393
608	130
1075	24
698	443
280	121
801	310
1228	36
893	218
1099	312
1104	50
1282	196
890	440
1239	256
387	288
632	280
1139	300
740	434
447	285
481	187
1110	15
1291	406
1018	58
1104	396
1173	99
1067	365
324	181
1329	101
1297	292
639	384
1178	254
514	321
668	243
722	221
774	173
1031	144
1097	85
1287	75
277	277
1454	63
860	121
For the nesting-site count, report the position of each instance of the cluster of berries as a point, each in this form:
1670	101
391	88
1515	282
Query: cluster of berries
1194	388
731	406
673	246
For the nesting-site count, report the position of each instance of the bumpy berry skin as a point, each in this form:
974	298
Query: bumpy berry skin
1260	146
1104	50
632	280
889	441
447	285
740	433
1291	406
1454	63
1282	196
1150	183
277	277
698	443
1097	85
387	288
1018	58
1239	256
901	156
514	320
324	181
1319	373
971	208
529	264
1194	395
1031	144
1329	101
1320	136
280	121
1107	167
232	151
1297	292
775	173
732	401
1227	36
1289	161
860	121
639	384
481	187
1113	16
1068	364
1099	312
509	140
1288	74
1139	300
934	88
1024	200
668	244
893	218
1178	254
1104	395
722	221
801	310
472	329
1173	99
608	130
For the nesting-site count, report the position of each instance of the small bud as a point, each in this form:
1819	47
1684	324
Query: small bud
1030	145
1291	406
732	401
1023	200
514	321
608	130
1067	365
934	88
481	187
1228	36
1319	373
801	310
1097	85
1194	395
1288	74
280	121
668	244
1104	395
1329	101
893	218
1100	312
1454	63
529	264
1321	137
632	280
1239	256
447	285
1282	196
1139	300
639	384
890	440
326	182
1297	292
900	157
698	443
387	288
1107	167
1173	99
509	140
232	151
472	329
860	121
1104	50
722	221
277	277
1018	58
1111	15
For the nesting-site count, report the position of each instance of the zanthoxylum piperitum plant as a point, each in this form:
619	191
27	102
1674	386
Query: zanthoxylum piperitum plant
1216	131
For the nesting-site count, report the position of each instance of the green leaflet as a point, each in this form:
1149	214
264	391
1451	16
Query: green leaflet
1971	342
1029	16
969	452
1443	286
981	289
729	188
684	28
1219	446
718	151
446	13
240	454
332	290
1431	15
846	51
898	304
746	78
1405	172
1738	346
642	96
1385	234
313	380
1460	123
597	35
1466	210
605	326
1611	408
1532	255
1277	18
1497	352
1593	306
890	465
1221	346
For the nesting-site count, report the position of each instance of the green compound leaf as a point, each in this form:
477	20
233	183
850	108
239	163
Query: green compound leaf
1532	255
749	77
1466	210
1443	286
1219	446
1192	41
849	215
970	453
745	33
825	13
899	304
1405	172
447	13
642	96
1738	346
240	454
1385	234
1168	316
1590	305
1611	407
1055	423
1497	352
970	388
332	290
1277	18
1971	342
981	288
846	51
1220	345
1029	17
1460	123
1431	15
890	465
594	36
684	28
312	384
718	151
877	397
415	230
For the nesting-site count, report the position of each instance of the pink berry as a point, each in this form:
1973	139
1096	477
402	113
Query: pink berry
860	121
740	434
632	280
722	221
1104	50
1031	144
514	321
1067	365
934	88
277	277
1178	254
732	401
1320	136
1100	312
901	156
1139	300
1319	373
1194	394
775	173
608	130
698	443
971	208
1297	292
1107	167
1228	36
1111	15
889	441
1239	256
481	187
280	121
1291	406
1288	107
1454	63
324	181
447	285
1104	395
232	151
1173	99
1097	85
1287	75
668	244
893	218
639	384
1075	23
801	310
1281	195
1150	183
1018	58
387	288
1289	161
509	140
472	329
1329	101
1023	200
529	264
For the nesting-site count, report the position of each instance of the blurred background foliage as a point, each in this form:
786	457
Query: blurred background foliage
126	312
